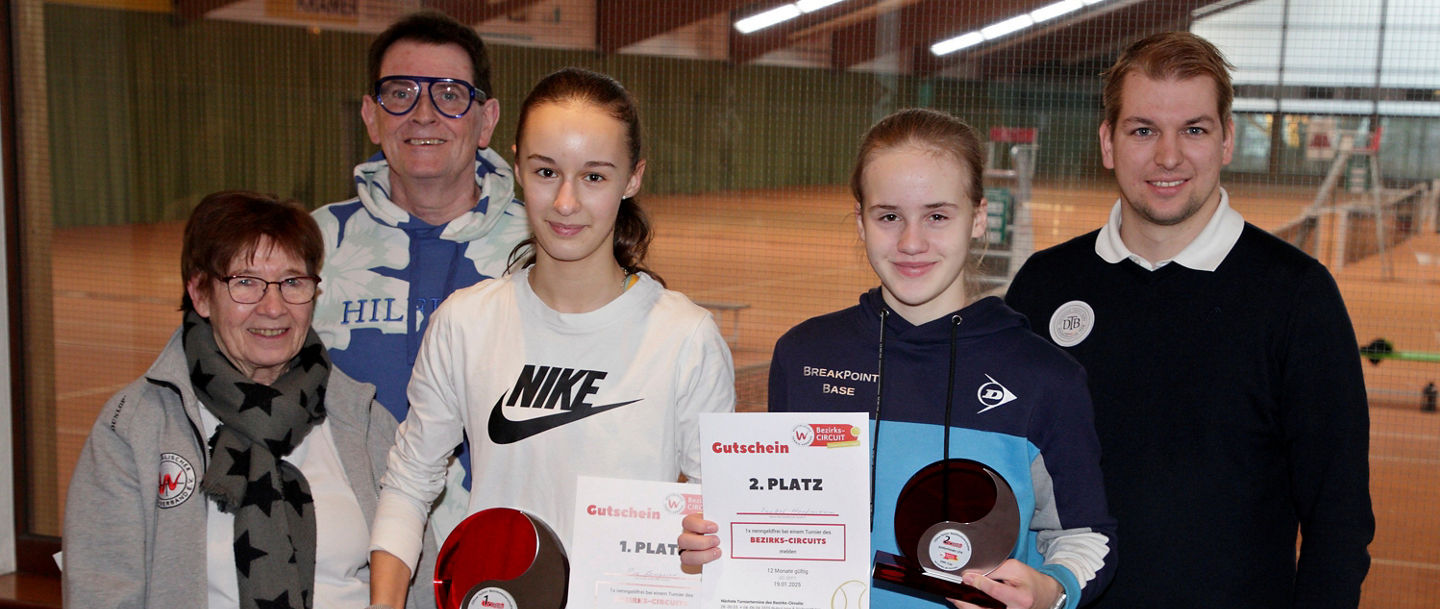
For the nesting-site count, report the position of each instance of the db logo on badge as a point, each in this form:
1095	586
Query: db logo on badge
177	481
1072	323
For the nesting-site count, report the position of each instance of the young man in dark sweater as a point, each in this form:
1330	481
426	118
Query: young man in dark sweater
1223	367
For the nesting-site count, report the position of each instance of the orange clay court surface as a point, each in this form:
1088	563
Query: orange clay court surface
792	254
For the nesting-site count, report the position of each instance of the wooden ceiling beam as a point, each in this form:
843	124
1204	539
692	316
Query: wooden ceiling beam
919	24
621	23
746	47
475	12
190	10
1072	42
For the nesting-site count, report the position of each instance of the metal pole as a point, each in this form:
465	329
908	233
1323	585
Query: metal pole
1277	123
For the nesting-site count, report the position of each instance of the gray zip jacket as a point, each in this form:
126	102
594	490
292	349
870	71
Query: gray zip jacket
135	517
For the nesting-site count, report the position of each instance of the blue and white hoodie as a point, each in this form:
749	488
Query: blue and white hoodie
1018	404
385	273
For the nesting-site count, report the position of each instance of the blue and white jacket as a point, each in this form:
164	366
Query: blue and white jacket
1018	405
386	271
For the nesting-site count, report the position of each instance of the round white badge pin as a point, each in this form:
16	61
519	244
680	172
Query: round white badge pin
1072	323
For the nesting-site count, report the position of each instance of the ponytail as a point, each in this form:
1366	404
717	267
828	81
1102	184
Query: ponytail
632	238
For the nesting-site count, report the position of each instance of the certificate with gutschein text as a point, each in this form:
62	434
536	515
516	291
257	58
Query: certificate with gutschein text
790	493
624	552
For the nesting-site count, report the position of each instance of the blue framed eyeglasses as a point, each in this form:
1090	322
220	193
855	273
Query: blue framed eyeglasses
451	97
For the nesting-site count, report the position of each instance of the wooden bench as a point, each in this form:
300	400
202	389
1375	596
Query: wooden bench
26	591
733	309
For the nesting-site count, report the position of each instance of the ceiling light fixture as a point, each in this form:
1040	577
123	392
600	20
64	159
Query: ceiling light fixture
811	6
1009	26
1048	12
963	41
781	14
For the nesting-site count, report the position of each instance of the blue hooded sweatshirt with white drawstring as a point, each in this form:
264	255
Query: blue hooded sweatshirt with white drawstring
386	271
1016	404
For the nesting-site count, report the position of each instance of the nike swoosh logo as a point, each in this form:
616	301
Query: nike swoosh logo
506	431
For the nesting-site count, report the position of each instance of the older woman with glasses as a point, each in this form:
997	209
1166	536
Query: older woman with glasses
242	469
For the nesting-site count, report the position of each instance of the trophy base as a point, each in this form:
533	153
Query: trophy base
906	576
502	557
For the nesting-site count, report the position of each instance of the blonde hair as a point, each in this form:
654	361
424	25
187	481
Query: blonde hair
923	128
944	135
1169	55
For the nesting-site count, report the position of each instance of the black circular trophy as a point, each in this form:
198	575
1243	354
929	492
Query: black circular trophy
502	558
952	516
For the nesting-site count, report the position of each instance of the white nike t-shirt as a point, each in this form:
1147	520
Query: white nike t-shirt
547	396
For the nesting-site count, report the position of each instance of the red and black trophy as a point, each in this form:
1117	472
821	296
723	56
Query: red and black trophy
502	558
953	516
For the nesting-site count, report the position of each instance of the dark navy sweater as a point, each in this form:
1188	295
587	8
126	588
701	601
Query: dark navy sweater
1231	410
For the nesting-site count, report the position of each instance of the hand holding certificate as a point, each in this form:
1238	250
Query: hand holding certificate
625	551
790	493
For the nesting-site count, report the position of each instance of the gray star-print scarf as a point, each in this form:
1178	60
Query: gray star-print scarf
270	498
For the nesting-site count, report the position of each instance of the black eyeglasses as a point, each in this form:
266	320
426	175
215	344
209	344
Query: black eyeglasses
452	97
250	290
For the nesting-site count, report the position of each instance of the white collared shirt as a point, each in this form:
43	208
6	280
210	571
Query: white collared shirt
1204	253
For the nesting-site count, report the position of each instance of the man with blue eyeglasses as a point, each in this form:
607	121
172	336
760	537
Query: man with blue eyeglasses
435	211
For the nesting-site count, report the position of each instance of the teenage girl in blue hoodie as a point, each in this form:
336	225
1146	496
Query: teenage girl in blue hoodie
933	364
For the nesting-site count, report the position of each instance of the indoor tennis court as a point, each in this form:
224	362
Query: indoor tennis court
127	112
